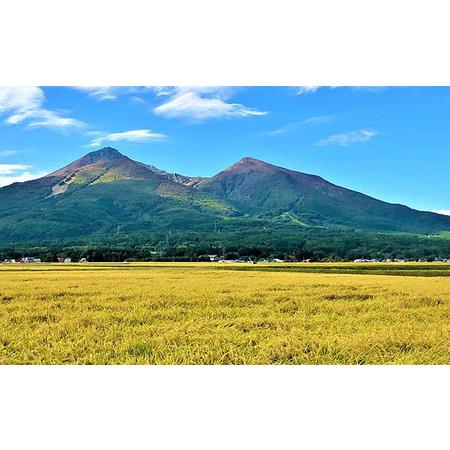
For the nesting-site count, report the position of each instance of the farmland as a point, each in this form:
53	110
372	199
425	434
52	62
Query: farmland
198	313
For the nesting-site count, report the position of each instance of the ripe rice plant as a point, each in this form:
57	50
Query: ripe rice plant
157	313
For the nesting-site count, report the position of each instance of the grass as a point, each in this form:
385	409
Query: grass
157	313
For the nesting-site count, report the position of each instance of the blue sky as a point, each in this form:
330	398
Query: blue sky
390	143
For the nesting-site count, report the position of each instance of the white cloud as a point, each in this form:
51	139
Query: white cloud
7	169
44	118
137	99
162	90
316	120
301	90
369	89
17	178
111	92
345	139
129	136
444	212
201	103
282	130
6	153
24	104
20	98
12	173
196	103
100	92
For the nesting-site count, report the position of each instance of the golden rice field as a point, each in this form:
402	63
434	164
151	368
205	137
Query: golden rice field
200	313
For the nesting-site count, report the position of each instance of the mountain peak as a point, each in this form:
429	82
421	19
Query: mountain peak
105	153
250	160
249	163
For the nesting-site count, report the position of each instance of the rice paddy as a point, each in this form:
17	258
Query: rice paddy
197	313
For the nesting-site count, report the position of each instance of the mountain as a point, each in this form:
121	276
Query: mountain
254	186
98	193
105	193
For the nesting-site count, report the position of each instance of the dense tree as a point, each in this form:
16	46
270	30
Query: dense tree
316	244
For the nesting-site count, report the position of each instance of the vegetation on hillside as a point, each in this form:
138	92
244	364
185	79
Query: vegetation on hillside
105	194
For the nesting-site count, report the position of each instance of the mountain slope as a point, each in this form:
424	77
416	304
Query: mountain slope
98	167
104	192
97	194
256	187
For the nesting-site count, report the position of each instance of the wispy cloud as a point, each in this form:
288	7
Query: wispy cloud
369	89
111	92
302	90
5	180
100	92
316	120
201	103
25	104
6	153
12	173
138	100
444	212
44	118
138	136
345	139
7	169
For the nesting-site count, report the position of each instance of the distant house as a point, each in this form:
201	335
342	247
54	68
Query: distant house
244	259
277	260
60	259
213	258
439	259
83	260
30	259
9	261
68	260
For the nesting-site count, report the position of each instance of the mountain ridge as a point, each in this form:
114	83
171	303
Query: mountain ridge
105	189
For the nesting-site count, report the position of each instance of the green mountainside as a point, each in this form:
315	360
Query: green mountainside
256	187
106	194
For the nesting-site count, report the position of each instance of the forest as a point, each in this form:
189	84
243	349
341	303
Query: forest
316	244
